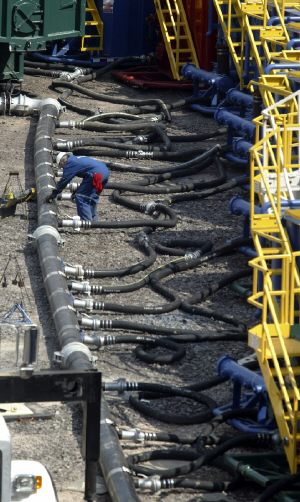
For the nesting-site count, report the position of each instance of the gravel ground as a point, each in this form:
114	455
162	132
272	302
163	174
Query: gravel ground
56	441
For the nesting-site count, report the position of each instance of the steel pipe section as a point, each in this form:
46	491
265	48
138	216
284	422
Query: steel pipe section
75	355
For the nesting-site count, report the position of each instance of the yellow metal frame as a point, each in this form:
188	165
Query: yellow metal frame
276	280
274	158
93	22
176	34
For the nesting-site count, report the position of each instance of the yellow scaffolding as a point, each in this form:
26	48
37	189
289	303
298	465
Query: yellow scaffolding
255	42
275	165
93	29
176	34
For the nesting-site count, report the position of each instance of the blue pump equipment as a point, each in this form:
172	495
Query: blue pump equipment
229	107
215	85
249	393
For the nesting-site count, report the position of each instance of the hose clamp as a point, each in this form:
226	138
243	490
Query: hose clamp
47	230
62	357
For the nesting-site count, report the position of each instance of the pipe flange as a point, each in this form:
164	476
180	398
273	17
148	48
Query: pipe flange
47	230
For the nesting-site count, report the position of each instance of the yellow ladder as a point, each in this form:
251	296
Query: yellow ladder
94	24
176	34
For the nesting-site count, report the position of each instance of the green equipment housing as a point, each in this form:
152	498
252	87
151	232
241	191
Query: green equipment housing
27	25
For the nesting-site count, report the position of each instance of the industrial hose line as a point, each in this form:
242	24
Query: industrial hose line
192	334
228	185
153	208
246	440
121	488
188	262
143	243
158	103
177	353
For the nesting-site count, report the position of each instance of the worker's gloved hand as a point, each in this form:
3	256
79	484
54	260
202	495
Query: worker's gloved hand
50	198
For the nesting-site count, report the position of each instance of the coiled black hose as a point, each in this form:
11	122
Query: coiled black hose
250	440
177	418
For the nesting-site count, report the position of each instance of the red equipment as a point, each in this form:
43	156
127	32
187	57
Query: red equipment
204	36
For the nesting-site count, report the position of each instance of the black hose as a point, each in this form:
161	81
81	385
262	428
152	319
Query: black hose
176	418
180	155
42	72
142	186
178	247
197	137
160	170
234	182
157	208
141	351
250	440
110	143
111	457
146	247
175	335
51	66
286	482
57	84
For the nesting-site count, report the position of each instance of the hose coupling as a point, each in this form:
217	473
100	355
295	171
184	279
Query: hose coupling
75	271
67	124
64	196
98	340
84	304
76	223
64	145
142	239
24	105
69	76
141	139
137	435
152	484
192	255
82	287
149	207
119	386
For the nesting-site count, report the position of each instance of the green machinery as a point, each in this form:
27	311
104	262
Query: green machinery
27	25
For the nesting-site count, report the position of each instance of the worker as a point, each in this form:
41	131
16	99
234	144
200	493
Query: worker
95	175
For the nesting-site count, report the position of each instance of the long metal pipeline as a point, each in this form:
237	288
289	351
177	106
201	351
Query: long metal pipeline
74	354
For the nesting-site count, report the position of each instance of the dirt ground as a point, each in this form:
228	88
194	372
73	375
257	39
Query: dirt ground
56	441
